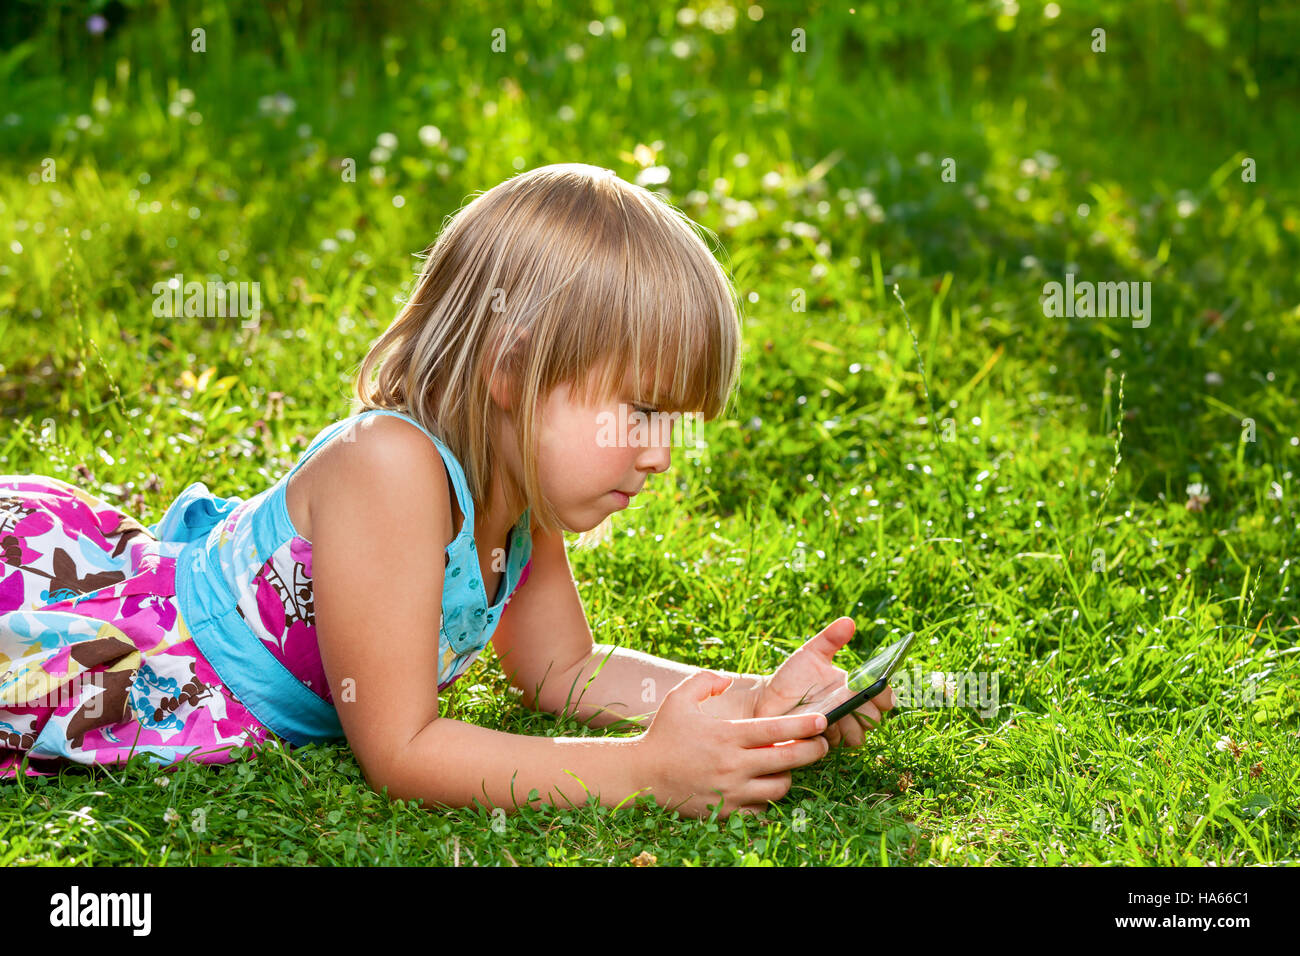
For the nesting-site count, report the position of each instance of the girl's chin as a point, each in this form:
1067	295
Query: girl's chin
586	524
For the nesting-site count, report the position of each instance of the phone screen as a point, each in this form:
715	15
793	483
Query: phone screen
880	666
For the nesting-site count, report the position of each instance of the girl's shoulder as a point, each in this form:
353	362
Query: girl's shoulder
355	462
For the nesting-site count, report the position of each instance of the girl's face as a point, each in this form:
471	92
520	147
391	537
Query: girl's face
588	452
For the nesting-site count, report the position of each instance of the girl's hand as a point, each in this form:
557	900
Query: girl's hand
808	675
695	762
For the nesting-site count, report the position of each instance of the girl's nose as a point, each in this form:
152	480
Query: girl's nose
656	457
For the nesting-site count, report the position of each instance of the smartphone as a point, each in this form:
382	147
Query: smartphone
865	681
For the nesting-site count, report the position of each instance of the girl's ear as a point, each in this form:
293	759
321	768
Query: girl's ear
502	385
502	389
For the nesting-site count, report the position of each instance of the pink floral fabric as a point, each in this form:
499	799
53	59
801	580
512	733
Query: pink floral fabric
96	662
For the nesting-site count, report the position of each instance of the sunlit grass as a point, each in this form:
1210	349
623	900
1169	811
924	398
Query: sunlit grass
1148	693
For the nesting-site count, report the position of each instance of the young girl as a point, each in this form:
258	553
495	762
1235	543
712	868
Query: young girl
557	315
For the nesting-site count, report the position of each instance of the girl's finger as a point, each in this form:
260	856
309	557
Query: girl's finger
867	716
832	637
859	732
853	735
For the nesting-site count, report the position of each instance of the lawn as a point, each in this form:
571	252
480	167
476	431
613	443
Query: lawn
1098	512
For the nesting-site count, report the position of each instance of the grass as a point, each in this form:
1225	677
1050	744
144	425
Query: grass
937	457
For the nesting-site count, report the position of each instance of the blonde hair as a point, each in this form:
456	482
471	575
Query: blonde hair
564	274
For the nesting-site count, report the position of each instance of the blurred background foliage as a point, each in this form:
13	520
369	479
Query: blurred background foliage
812	139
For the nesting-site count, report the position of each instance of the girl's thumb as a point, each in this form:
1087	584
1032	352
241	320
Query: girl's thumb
708	684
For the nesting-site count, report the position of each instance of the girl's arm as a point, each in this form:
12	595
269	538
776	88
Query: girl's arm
547	651
380	513
618	683
456	763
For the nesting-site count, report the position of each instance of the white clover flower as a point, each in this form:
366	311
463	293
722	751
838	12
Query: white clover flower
653	176
1197	496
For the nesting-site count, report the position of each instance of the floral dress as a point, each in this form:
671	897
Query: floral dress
191	637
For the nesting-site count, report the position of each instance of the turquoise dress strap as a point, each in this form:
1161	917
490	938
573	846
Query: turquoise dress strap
192	514
458	483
